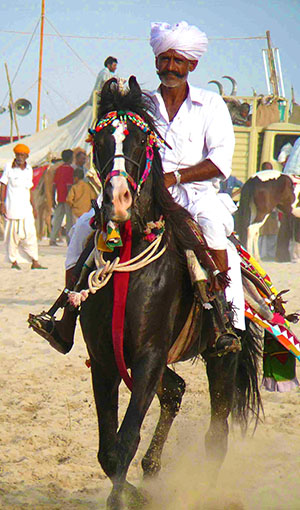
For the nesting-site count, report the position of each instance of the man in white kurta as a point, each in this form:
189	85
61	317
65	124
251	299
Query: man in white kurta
202	129
198	128
20	233
108	72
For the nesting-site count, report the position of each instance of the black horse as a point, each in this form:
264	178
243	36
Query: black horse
159	300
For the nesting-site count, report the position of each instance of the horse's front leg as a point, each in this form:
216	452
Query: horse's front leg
221	374
106	400
146	373
170	392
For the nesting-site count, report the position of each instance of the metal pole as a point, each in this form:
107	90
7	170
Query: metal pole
293	94
12	110
280	72
266	71
40	67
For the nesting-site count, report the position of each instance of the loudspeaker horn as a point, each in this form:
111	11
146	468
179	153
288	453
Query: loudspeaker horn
23	107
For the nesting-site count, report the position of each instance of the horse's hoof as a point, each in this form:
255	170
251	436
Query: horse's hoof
114	502
136	499
150	468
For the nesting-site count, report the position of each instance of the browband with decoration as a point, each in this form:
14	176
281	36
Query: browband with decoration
153	140
123	116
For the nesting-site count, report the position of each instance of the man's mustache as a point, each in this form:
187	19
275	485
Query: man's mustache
170	73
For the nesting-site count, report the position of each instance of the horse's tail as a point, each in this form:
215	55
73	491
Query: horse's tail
242	217
247	399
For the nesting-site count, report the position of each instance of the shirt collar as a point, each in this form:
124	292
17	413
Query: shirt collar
195	95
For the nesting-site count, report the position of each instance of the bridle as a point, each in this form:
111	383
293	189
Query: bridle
118	120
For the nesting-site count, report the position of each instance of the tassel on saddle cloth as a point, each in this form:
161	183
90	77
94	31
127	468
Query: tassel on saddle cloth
110	237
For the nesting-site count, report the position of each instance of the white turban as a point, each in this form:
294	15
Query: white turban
187	40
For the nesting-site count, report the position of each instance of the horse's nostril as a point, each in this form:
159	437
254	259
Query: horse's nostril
127	196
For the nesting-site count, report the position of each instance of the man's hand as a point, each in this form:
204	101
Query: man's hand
200	172
3	209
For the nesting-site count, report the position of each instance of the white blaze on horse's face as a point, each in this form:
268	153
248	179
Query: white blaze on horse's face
121	196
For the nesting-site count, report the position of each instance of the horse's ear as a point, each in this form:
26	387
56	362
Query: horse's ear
107	96
134	86
107	90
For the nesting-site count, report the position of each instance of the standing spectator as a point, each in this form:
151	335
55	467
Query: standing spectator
110	66
228	185
284	154
267	240
80	161
63	181
292	165
80	195
18	210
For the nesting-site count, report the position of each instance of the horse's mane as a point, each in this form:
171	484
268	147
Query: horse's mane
175	216
137	101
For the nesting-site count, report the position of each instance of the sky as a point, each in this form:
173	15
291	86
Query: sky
121	28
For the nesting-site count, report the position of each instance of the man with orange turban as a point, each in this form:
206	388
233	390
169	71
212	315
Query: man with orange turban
17	208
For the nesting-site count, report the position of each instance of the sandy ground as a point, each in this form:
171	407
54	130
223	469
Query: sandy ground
48	434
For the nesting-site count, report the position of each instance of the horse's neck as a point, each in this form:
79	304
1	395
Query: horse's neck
144	210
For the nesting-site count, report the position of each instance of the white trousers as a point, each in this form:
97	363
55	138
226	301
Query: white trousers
20	240
213	212
234	292
78	235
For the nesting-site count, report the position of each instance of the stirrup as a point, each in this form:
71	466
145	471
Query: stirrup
44	325
225	343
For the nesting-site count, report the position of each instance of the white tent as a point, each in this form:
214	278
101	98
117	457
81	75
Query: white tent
67	133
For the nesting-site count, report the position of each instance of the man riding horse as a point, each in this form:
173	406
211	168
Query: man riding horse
197	155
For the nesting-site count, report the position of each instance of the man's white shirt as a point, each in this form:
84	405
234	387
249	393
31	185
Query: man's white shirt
18	182
202	129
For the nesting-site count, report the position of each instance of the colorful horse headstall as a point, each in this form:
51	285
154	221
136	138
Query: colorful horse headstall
118	120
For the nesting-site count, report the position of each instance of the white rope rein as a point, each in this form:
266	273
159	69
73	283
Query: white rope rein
105	269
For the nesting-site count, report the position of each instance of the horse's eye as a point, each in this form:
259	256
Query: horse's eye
143	141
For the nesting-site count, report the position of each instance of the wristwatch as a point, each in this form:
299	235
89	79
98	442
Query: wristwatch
177	176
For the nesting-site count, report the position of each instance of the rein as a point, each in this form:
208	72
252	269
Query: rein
105	269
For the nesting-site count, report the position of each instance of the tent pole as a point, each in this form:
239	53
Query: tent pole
40	67
12	109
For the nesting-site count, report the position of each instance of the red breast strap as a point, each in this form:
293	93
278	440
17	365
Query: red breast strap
121	281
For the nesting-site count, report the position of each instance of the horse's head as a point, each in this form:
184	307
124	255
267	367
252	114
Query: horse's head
123	143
